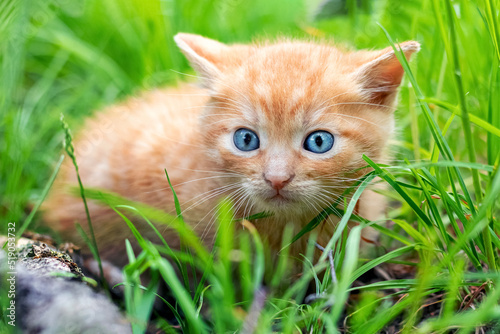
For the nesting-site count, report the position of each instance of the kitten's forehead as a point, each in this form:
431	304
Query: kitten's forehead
291	82
289	90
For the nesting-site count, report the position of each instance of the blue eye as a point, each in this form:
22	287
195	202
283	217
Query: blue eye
246	140
319	142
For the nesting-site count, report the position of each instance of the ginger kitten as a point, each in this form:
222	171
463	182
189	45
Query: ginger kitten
277	127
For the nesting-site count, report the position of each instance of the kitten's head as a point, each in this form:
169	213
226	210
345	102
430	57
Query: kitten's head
293	119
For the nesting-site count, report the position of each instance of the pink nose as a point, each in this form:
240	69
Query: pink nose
278	182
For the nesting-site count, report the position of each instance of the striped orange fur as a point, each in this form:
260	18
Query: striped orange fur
282	91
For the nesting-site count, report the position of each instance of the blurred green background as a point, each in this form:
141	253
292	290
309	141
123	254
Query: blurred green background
73	57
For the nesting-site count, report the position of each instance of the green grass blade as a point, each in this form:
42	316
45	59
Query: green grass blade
70	150
27	221
488	126
386	176
382	259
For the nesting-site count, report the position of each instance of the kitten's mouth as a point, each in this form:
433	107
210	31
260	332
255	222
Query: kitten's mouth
279	198
273	200
282	202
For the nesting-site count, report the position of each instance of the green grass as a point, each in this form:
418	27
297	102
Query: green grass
72	57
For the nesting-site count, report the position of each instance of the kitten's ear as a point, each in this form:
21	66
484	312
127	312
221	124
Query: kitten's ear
381	76
205	55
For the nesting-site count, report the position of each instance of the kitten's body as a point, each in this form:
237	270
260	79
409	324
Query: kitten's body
282	92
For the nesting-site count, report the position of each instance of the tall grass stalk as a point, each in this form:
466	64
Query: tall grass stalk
70	150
